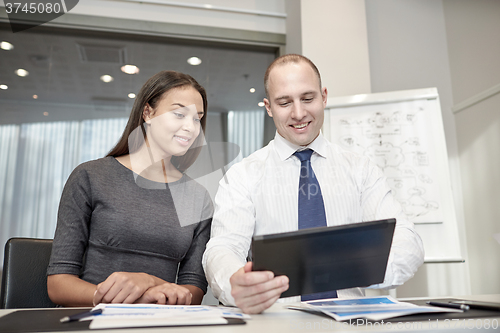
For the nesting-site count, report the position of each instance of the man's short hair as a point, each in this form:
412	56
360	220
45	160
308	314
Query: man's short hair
287	59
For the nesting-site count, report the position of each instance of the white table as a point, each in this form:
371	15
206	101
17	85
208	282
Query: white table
279	319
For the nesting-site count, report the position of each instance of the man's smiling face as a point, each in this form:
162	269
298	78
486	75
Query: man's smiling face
296	102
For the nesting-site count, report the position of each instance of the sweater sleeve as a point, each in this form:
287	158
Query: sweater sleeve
190	269
73	220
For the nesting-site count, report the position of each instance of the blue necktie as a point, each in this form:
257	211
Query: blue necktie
311	207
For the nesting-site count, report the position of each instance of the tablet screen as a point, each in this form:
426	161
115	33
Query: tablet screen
327	258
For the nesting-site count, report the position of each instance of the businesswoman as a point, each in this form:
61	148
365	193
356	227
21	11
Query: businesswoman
132	227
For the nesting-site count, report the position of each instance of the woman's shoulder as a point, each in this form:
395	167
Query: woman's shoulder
97	175
96	165
192	185
197	190
95	168
196	193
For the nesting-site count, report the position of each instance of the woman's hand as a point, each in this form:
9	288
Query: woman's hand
167	293
123	287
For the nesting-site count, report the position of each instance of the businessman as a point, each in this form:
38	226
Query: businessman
299	180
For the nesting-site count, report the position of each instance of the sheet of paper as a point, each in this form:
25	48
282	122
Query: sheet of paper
143	315
103	323
371	308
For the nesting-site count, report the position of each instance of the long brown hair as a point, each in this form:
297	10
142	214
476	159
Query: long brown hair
151	93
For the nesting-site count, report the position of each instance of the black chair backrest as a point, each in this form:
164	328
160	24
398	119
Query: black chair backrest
24	276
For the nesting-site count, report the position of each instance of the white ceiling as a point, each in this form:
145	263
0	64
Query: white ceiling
69	88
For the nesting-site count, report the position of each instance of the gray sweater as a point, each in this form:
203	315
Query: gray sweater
112	220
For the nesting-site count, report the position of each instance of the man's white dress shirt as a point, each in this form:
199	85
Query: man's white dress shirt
259	196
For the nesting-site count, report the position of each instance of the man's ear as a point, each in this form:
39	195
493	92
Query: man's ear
324	96
147	114
268	107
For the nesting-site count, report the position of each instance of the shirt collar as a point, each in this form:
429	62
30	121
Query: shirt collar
285	149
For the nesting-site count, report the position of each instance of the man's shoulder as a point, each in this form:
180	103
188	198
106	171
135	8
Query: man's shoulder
263	153
254	164
259	156
335	150
350	160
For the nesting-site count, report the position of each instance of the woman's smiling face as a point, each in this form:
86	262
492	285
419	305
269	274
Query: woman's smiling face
174	123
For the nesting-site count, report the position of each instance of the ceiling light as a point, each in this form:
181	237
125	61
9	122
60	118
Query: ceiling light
45	113
4	87
252	90
106	78
195	61
208	6
261	104
21	72
6	46
35	96
130	69
131	95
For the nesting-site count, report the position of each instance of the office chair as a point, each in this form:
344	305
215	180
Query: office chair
24	276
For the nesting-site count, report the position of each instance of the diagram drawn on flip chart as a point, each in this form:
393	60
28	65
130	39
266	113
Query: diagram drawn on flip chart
398	138
403	133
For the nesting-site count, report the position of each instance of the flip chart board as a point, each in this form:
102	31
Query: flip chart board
402	132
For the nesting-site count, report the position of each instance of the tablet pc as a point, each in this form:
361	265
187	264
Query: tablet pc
326	258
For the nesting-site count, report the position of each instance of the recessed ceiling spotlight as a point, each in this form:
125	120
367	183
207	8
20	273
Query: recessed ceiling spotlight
261	104
35	96
130	69
131	95
6	46
195	61
208	6
45	113
21	72
252	90
106	78
4	87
